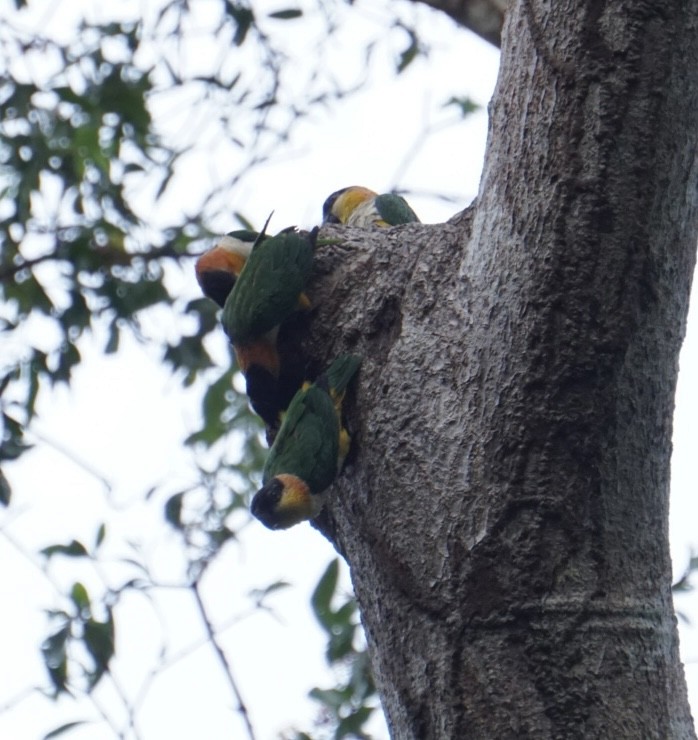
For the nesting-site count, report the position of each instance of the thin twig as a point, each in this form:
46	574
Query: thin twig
167	661
223	659
10	270
112	256
19	698
72	456
128	707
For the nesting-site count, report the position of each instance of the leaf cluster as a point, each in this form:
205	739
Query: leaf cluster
81	643
95	132
347	706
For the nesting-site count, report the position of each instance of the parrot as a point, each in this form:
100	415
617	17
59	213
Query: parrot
309	450
219	267
268	290
359	206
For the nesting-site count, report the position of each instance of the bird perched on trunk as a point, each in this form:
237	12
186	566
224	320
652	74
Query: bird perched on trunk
268	290
309	450
359	206
219	268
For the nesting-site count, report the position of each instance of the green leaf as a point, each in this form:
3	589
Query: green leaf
74	549
5	490
5	382
68	357
101	532
173	510
286	15
243	17
361	680
259	594
321	599
353	724
188	354
99	641
112	344
55	657
206	313
344	614
64	728
410	53
340	644
332	698
36	367
244	222
463	103
214	408
12	443
80	597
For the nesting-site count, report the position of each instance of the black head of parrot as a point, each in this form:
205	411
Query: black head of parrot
266	502
285	500
217	284
328	217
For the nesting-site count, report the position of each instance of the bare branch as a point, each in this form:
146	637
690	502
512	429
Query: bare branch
483	17
213	637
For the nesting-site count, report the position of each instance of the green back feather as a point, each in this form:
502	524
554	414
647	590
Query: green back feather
394	209
340	372
307	444
269	286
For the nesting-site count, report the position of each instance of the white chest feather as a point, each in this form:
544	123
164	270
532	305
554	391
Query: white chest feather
364	215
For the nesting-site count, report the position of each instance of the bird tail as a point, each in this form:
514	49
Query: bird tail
262	235
337	376
335	381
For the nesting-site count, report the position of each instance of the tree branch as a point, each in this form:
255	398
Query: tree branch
483	17
227	669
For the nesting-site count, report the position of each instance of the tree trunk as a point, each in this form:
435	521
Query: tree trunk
504	507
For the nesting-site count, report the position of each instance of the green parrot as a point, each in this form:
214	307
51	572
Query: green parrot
308	452
267	292
219	267
359	206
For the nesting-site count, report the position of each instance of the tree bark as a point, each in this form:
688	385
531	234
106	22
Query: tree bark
504	506
483	17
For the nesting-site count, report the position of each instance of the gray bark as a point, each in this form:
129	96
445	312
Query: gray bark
483	17
504	508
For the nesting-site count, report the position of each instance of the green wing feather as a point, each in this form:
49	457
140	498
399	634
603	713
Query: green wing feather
307	444
269	286
394	209
246	235
340	372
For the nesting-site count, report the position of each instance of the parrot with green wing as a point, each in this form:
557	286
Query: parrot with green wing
359	206
309	450
267	292
219	267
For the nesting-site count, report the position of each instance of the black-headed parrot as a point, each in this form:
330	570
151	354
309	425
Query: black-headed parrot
359	206
267	292
309	450
219	267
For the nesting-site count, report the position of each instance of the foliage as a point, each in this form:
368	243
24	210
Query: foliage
89	165
684	585
97	130
347	706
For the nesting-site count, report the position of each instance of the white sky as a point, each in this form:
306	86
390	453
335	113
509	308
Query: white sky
126	417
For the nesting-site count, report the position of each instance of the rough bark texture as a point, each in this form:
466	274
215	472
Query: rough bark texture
483	17
504	509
